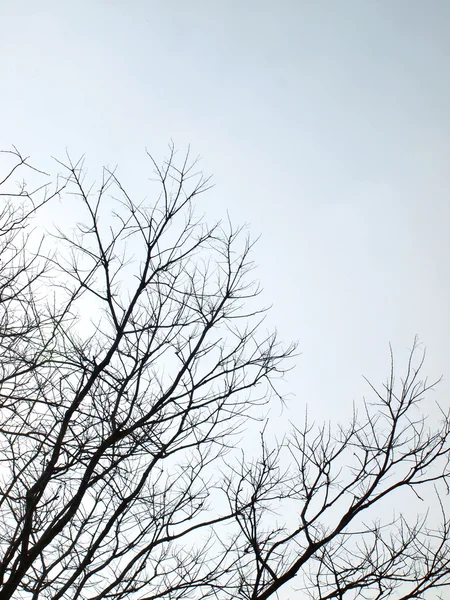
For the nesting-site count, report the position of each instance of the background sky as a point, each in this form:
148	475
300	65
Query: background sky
326	126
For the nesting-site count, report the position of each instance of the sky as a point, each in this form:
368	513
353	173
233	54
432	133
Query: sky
326	128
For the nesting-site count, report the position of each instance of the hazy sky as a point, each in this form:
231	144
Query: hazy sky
326	125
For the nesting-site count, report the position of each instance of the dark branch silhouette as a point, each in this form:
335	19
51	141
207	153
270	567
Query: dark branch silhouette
134	356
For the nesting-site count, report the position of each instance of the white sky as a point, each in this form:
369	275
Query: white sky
325	123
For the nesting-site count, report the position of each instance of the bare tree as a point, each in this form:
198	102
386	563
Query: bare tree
348	535
133	358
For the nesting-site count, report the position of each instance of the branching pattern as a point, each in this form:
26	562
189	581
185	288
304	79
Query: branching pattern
132	357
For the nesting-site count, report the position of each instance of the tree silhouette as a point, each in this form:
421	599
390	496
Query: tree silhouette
134	356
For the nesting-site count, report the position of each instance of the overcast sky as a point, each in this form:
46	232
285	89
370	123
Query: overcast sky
326	126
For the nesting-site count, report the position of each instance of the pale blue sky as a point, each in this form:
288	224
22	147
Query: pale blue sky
326	125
